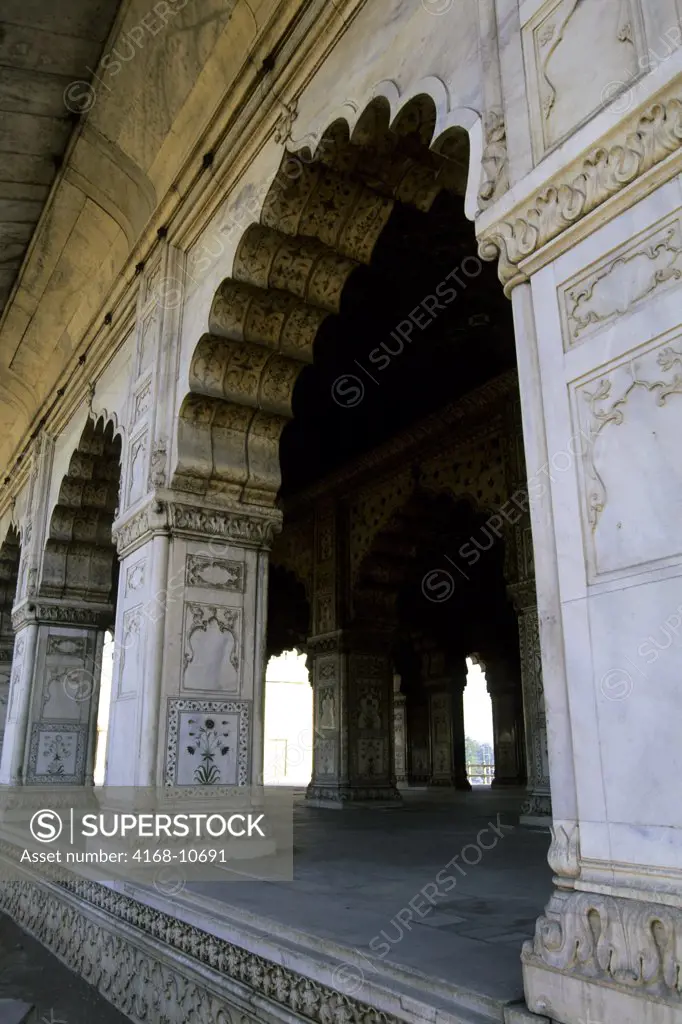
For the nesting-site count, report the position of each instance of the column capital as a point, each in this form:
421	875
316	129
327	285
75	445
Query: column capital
242	525
55	612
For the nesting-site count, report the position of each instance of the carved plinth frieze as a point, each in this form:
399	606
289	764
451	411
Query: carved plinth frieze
175	972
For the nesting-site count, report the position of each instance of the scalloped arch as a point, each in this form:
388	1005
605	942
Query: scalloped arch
319	221
447	118
80	558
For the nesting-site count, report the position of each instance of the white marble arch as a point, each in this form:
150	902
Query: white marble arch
448	116
211	260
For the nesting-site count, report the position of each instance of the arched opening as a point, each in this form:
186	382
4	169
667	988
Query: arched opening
288	746
359	374
478	727
359	322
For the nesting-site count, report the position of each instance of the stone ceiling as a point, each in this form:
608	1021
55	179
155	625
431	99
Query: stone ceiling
47	51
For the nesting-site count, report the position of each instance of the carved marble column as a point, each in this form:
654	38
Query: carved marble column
418	739
399	733
51	728
189	659
458	675
537	809
354	729
445	684
504	688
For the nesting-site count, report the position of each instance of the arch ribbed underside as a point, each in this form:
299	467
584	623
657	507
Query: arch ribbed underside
79	554
320	221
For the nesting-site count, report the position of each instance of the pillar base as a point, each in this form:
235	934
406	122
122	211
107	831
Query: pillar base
338	797
536	811
506	783
605	958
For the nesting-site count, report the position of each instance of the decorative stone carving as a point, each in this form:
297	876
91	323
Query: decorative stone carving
634	392
253	530
215	573
640	144
132	531
327	709
208	743
276	320
62	614
494	173
136	464
632	945
538	801
564	850
285	122
143	399
63	692
57	754
166	982
130	652
212	637
68	646
147	339
594	300
135	576
157	465
556	39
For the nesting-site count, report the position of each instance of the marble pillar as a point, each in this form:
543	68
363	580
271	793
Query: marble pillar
418	739
399	733
189	657
504	688
353	758
537	808
599	337
445	685
51	728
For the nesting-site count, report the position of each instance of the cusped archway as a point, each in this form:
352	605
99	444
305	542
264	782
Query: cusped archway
334	226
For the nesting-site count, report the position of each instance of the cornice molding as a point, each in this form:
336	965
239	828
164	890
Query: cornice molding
242	526
640	143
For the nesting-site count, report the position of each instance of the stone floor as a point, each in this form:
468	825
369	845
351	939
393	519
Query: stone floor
357	869
35	988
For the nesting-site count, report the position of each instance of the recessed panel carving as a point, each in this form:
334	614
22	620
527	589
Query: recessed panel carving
135	576
580	55
214	573
136	469
638	273
211	656
631	415
66	646
130	652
